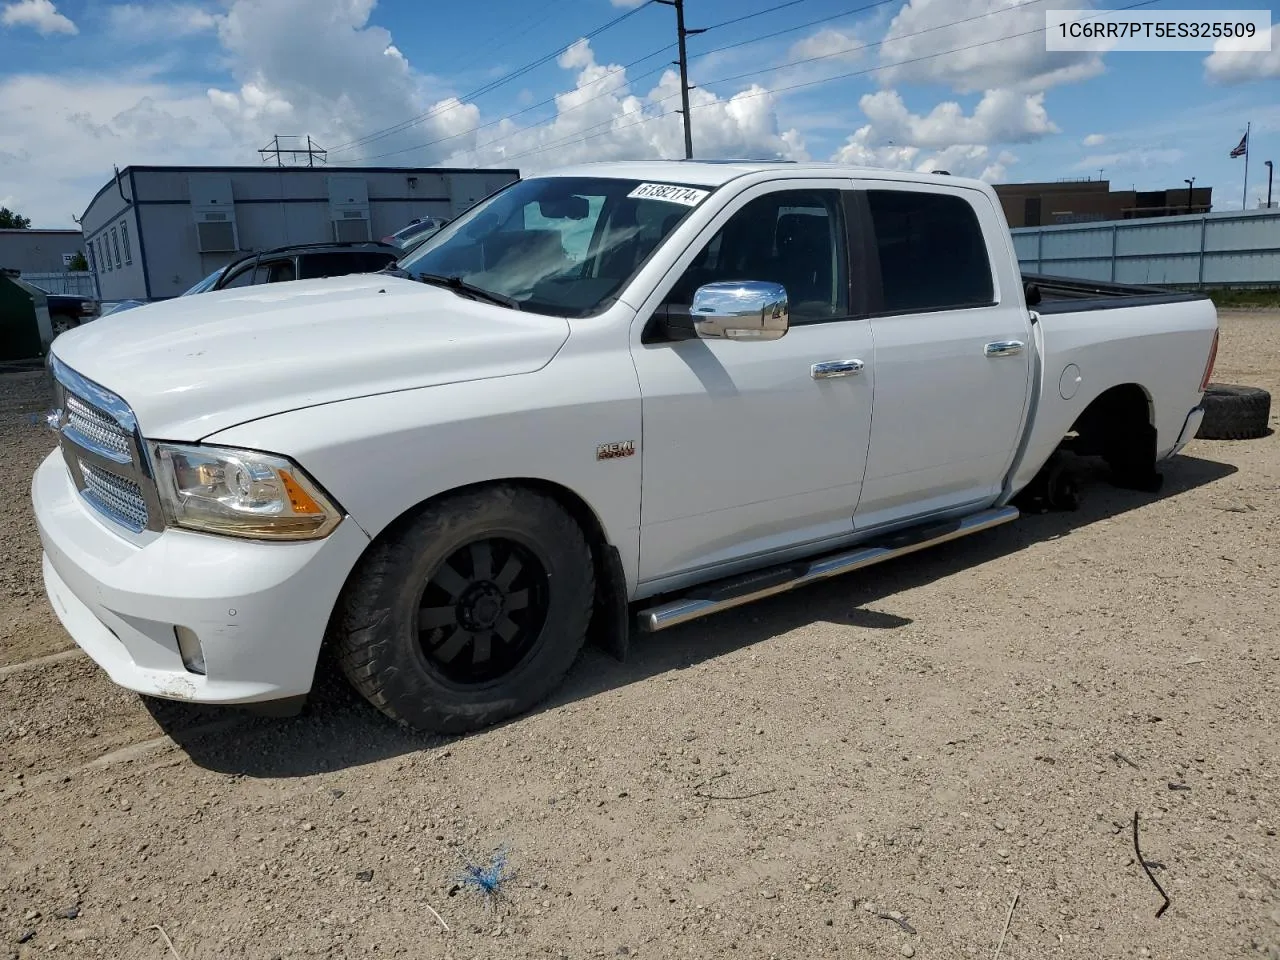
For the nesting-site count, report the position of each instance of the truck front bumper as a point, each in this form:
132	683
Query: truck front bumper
257	611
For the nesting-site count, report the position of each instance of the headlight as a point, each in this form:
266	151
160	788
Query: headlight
240	493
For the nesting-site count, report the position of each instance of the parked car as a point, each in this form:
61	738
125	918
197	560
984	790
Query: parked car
415	232
299	261
68	310
626	392
306	261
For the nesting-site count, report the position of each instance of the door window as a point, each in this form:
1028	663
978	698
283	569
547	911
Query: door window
276	271
241	278
932	252
793	237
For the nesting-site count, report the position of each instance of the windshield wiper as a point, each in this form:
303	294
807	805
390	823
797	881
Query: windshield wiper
464	289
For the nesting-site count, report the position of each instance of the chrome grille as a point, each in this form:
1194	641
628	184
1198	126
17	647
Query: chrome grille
103	450
119	498
100	429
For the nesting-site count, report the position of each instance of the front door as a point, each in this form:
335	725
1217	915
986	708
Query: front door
748	451
953	354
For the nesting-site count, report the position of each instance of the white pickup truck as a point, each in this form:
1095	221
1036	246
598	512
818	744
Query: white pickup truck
617	394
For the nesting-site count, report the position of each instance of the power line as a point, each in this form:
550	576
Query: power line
900	63
531	107
648	73
778	33
809	83
878	43
809	59
486	88
491	47
758	13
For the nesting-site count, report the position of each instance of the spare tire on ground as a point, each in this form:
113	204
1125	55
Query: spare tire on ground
1233	412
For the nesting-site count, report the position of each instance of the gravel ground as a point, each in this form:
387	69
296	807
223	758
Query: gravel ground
922	741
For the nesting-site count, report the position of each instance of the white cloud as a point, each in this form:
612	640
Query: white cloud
837	45
1136	159
1002	50
96	121
1094	140
40	15
137	23
601	118
961	160
946	138
1225	65
1001	116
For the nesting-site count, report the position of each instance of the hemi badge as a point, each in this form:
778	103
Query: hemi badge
611	451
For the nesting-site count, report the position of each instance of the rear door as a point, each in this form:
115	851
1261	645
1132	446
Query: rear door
953	351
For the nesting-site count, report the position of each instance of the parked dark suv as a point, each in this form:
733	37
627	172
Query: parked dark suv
306	261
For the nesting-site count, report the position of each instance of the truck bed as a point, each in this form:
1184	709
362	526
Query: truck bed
1070	295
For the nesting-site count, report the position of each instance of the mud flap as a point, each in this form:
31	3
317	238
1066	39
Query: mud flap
610	626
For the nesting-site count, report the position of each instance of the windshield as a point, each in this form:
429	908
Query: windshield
205	284
562	246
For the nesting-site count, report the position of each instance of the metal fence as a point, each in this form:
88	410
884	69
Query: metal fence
75	283
1209	249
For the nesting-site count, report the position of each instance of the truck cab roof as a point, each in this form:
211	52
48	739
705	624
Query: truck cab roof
716	173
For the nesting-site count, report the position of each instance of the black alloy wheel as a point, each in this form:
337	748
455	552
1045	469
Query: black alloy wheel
483	610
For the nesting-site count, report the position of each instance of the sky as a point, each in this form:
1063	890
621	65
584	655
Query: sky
961	85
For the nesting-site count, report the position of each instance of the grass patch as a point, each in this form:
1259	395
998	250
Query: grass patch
1252	299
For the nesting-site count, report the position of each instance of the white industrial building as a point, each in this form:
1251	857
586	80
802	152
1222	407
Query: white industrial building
153	232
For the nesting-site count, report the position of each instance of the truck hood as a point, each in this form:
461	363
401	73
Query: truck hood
192	366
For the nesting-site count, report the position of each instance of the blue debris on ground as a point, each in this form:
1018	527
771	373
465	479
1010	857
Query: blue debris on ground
489	880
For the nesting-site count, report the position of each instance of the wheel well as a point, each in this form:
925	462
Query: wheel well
1118	416
573	504
607	587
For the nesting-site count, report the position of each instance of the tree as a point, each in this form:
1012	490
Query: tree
78	262
12	220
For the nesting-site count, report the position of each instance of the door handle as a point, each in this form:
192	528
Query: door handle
835	368
1003	348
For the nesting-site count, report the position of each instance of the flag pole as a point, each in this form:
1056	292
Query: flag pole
1244	200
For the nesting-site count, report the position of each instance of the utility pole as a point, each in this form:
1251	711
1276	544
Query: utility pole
1190	183
1270	171
683	62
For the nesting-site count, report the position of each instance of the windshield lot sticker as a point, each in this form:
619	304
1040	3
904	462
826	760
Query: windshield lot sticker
685	196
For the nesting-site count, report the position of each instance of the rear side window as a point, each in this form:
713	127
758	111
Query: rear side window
932	252
315	265
275	271
241	278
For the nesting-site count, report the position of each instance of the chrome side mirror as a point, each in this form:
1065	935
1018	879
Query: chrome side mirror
740	310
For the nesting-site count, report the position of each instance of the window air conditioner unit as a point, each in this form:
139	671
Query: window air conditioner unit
215	234
214	212
349	209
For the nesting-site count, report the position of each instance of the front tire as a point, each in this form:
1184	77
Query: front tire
469	612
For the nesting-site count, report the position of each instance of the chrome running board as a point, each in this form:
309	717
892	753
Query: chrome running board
732	592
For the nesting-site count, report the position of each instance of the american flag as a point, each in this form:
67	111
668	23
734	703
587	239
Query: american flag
1242	148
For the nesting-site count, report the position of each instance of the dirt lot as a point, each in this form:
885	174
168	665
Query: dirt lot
927	738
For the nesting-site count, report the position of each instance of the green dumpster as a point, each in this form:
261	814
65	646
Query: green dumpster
25	329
